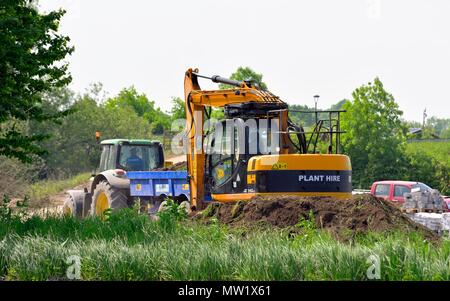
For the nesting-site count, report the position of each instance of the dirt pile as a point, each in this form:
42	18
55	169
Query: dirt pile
174	167
359	214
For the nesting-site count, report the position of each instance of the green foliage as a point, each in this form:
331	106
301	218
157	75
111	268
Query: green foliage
129	97
16	212
178	110
5	209
440	126
217	114
434	128
30	53
73	145
375	138
308	223
429	162
142	106
307	120
339	105
172	212
246	74
308	229
439	150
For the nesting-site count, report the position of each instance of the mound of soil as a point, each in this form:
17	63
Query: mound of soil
174	167
359	214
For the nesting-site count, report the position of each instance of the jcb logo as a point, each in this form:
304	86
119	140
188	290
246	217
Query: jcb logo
278	166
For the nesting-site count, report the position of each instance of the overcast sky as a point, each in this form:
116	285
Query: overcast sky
302	48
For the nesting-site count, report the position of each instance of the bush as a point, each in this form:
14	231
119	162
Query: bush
425	168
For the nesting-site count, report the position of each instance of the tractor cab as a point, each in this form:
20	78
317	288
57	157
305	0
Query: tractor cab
131	155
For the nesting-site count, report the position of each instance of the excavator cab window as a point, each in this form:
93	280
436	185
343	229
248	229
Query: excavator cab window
224	157
226	169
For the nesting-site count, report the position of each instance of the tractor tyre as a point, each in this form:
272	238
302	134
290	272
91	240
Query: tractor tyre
107	197
162	206
73	207
186	206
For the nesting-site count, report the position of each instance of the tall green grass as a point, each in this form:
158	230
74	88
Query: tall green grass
44	189
129	246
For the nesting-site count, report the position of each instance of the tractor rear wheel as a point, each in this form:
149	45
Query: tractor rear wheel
107	197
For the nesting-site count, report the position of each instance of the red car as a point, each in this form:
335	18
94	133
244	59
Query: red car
394	190
446	203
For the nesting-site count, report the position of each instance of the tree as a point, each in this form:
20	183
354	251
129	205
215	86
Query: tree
129	97
246	73
178	110
73	144
445	134
375	139
143	107
428	169
339	105
438	126
30	53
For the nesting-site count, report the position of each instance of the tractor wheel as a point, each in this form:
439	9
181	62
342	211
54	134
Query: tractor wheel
186	206
162	206
106	197
73	207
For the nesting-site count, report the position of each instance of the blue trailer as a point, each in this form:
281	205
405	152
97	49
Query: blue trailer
159	184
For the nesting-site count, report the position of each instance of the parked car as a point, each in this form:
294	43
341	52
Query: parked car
394	190
446	203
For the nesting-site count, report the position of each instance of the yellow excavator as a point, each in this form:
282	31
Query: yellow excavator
257	149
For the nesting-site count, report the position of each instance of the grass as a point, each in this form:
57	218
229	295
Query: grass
128	246
438	150
44	189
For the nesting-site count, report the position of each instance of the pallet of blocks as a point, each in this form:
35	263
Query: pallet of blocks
446	221
433	221
423	201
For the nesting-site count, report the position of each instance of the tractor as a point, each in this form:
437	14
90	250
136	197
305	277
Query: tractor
109	188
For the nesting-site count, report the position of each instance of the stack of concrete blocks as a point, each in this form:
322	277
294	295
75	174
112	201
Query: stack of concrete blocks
446	221
410	202
433	221
423	200
437	200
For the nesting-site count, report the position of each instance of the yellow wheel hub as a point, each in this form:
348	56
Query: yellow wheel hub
102	204
67	211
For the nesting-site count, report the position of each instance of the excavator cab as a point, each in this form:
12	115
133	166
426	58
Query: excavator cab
248	130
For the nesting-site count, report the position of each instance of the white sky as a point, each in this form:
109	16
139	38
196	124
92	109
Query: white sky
302	48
